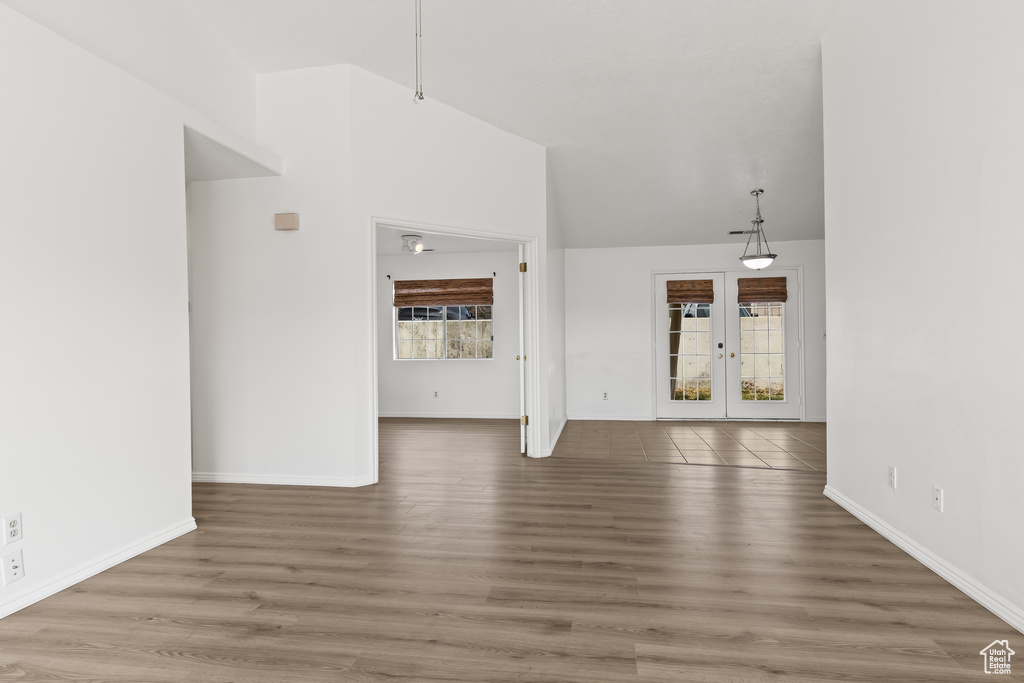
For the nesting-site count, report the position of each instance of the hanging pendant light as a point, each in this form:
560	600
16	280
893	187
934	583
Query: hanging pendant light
763	257
419	53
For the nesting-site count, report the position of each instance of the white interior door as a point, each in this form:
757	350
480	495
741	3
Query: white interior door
763	363
727	358
691	340
522	351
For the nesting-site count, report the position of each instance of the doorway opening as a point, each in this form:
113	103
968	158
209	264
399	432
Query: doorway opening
454	326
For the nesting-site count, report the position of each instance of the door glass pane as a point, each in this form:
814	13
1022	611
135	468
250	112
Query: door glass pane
762	347
689	352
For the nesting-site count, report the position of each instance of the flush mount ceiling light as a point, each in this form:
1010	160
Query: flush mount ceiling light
419	53
763	256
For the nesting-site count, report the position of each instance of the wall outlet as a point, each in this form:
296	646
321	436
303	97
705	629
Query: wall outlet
892	477
11	525
938	498
14	568
605	396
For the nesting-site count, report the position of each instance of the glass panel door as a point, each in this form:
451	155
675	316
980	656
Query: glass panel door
690	352
764	352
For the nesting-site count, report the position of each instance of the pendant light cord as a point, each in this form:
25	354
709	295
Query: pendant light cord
419	53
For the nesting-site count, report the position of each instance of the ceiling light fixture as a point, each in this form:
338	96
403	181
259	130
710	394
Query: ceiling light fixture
411	244
761	258
419	53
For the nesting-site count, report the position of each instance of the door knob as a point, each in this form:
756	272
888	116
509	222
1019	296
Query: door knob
719	355
732	355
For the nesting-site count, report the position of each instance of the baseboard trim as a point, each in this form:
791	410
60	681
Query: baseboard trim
614	418
554	439
90	569
994	603
278	480
453	416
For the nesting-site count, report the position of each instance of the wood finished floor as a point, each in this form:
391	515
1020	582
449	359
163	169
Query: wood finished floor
471	563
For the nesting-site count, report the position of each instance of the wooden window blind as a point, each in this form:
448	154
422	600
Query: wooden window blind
761	289
465	292
691	291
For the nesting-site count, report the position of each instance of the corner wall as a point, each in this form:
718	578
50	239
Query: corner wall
609	328
277	316
93	289
923	153
424	162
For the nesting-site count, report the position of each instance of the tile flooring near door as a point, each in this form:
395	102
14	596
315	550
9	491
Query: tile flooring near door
775	445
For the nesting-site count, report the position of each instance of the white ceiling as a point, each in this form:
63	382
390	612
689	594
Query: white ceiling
660	115
389	243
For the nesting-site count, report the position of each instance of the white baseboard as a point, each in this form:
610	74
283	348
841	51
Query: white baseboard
454	416
278	479
998	605
84	571
614	418
554	439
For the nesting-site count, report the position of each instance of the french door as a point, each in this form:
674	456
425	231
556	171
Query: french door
728	345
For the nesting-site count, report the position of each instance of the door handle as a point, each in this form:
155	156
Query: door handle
719	355
732	355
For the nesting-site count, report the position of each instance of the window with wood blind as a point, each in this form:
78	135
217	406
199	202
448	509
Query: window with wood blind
444	319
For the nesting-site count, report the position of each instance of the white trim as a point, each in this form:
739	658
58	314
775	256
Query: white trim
94	567
279	479
533	402
462	416
614	418
998	605
554	439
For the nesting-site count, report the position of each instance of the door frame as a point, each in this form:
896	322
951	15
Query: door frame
654	340
531	322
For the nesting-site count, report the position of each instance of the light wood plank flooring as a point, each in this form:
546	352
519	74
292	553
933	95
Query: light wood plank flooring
471	563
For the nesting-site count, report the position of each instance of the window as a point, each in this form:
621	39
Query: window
762	351
689	336
444	319
439	332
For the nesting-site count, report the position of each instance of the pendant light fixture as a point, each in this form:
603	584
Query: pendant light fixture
419	53
763	256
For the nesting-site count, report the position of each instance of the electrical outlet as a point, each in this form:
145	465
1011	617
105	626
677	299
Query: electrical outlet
11	525
605	397
892	477
435	394
938	499
14	568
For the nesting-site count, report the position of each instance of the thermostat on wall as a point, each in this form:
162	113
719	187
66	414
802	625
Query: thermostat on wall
286	221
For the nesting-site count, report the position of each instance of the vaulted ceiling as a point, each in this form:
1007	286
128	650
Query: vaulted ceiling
659	116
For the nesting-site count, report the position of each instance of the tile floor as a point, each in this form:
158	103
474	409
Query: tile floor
775	445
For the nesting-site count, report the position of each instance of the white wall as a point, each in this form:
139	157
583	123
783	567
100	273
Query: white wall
608	324
428	163
556	315
163	43
465	388
283	386
93	289
923	176
276	321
